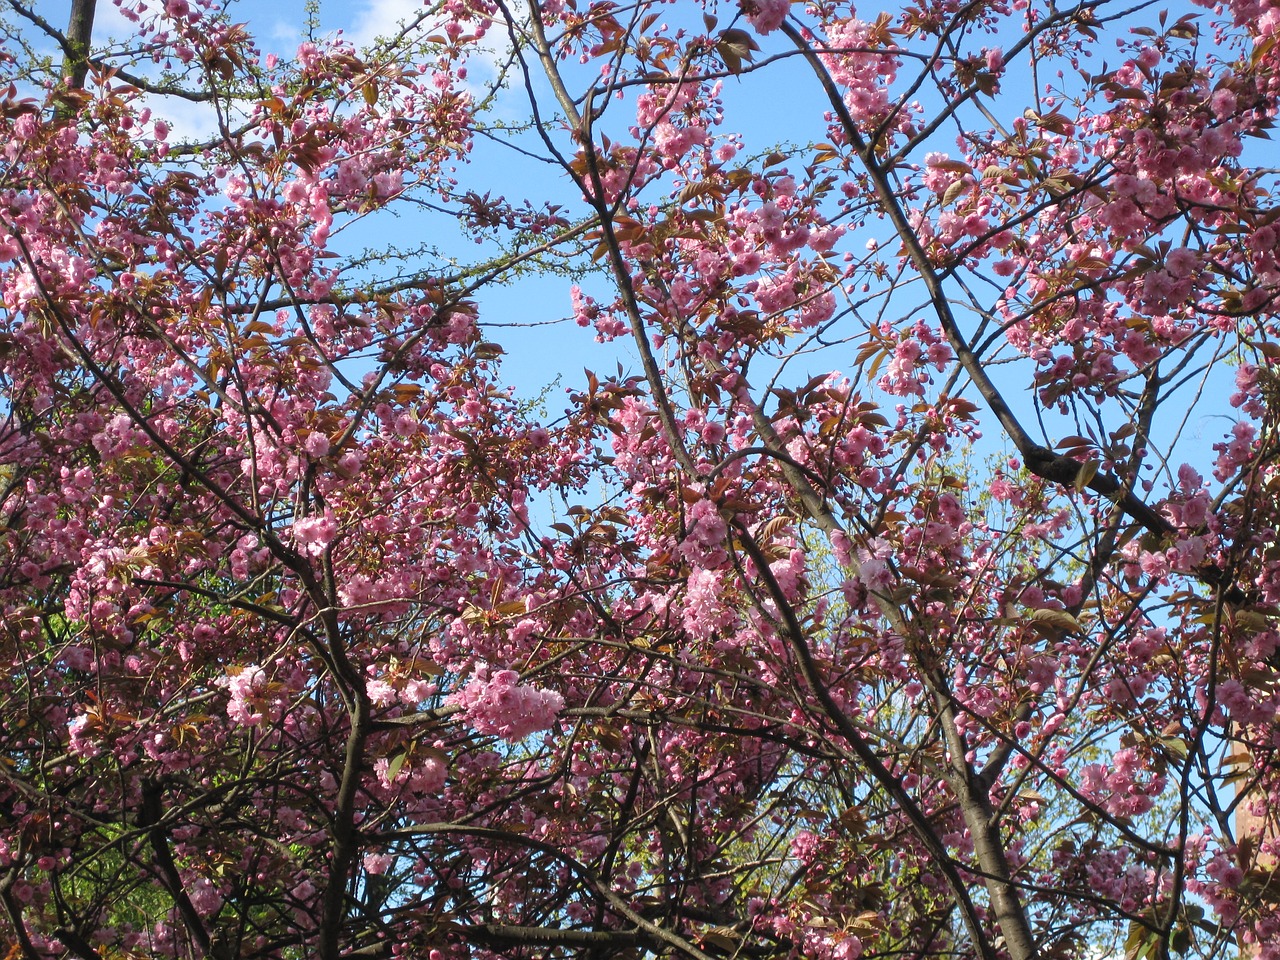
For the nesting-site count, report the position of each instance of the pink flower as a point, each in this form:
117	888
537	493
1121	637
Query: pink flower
314	534
205	896
503	706
316	445
842	548
1189	479
874	568
704	543
245	685
806	846
381	693
766	15
81	731
424	776
704	612
1181	262
378	863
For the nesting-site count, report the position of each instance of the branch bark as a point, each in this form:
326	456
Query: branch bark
75	64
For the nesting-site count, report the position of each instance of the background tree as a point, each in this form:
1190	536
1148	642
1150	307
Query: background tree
319	642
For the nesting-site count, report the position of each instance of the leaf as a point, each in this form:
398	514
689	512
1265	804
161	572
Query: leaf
1262	48
825	152
698	216
1142	942
1126	93
954	191
734	47
1240	757
1054	122
961	408
698	188
723	938
1058	619
1088	470
1181	939
1004	174
396	764
866	923
1262	883
741	40
772	528
1252	620
952	166
1269	349
1260	679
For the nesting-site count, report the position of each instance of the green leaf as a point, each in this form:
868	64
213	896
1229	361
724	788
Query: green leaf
1142	942
1088	471
954	191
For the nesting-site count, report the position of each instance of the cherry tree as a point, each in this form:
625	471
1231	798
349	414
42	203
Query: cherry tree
912	588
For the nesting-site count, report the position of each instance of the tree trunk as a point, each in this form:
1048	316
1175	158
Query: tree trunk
75	64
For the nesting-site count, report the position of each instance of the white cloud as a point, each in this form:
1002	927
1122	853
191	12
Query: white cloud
187	120
109	23
287	34
372	19
380	18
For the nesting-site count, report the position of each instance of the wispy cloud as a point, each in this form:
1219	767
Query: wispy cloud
109	23
371	19
284	34
379	18
188	121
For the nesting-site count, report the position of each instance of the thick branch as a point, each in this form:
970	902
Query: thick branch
149	818
75	63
